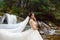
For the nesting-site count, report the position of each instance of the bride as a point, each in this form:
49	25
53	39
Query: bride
33	23
30	34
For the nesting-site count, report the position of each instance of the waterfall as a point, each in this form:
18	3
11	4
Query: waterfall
10	19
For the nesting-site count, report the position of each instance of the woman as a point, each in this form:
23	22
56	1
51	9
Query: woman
30	34
33	23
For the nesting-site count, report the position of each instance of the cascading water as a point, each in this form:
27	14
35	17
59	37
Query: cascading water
12	25
9	19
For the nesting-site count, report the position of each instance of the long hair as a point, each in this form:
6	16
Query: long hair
30	14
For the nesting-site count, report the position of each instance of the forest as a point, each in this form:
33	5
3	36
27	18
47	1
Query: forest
45	10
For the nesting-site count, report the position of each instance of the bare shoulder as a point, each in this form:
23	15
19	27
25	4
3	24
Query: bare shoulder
31	20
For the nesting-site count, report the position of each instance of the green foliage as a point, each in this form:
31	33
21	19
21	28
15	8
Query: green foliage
1	14
2	6
35	1
38	6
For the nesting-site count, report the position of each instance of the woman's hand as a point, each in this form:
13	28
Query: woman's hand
34	18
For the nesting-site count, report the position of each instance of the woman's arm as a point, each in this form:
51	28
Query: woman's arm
33	25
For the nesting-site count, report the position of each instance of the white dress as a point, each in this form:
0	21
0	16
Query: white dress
29	34
35	35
